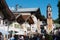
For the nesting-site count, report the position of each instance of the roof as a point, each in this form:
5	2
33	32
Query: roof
23	18
5	10
25	10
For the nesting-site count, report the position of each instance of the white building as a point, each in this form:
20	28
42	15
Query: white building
6	16
27	18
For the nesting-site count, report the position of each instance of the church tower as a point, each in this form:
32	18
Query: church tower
49	19
49	11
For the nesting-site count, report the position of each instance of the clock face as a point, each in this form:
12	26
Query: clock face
49	9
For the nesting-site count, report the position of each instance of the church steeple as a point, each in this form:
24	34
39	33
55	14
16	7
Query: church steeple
49	11
49	19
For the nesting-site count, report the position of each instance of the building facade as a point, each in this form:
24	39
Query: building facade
27	19
6	16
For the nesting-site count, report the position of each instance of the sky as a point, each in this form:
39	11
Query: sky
42	4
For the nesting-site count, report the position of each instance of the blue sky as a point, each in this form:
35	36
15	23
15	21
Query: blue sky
42	4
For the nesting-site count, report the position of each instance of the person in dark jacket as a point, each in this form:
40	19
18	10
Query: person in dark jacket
26	38
15	37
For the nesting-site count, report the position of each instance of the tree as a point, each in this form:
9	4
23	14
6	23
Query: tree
56	20
59	11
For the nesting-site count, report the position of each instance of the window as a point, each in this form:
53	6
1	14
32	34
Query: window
49	14
28	29
17	26
6	23
11	25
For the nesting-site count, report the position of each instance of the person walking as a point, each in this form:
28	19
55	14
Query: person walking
15	37
12	38
21	38
1	37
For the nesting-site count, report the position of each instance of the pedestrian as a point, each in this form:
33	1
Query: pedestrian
12	38
26	38
35	37
21	38
38	38
1	36
15	37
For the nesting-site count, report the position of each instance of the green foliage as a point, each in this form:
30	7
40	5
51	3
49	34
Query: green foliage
43	17
59	11
49	37
56	21
39	15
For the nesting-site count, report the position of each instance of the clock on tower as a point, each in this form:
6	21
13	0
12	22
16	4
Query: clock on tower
49	11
